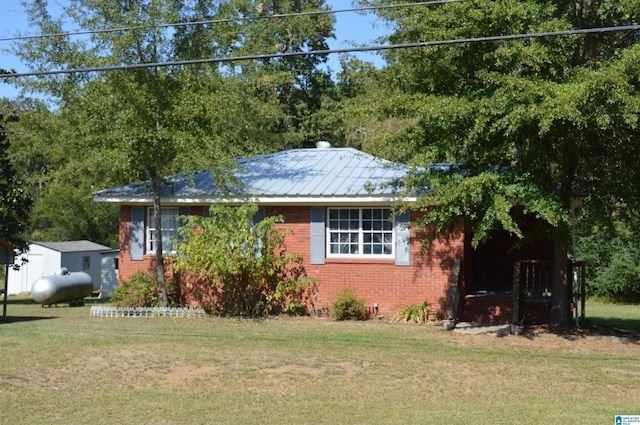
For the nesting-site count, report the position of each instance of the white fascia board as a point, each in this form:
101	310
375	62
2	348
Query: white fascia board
262	200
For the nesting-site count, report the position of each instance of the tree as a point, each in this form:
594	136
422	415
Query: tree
50	163
15	205
148	123
529	121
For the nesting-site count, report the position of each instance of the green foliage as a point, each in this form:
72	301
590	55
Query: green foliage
529	122
416	313
347	306
15	204
246	265
138	291
144	124
612	258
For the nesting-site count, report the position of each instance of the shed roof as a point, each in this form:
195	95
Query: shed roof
73	246
337	174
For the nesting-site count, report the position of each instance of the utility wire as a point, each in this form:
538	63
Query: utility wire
223	21
325	52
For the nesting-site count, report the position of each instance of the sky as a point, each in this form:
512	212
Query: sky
350	28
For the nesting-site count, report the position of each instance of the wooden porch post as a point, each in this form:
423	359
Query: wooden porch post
516	292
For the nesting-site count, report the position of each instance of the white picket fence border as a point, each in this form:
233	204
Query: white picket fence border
171	312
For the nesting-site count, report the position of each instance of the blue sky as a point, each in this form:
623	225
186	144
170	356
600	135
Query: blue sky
350	28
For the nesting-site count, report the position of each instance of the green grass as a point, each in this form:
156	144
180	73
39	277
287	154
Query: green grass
619	316
63	367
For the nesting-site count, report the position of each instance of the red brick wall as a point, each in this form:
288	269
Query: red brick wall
376	281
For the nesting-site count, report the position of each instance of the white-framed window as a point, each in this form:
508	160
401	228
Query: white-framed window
169	229
360	232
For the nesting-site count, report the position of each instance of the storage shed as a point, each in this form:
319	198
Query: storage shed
44	258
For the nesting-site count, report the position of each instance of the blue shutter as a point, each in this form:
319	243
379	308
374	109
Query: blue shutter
184	211
258	216
256	219
136	241
317	235
403	239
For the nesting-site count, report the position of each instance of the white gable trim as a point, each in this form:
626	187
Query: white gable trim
263	200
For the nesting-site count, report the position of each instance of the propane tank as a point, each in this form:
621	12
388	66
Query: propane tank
62	287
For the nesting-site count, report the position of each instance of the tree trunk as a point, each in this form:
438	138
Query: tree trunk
156	183
560	281
559	285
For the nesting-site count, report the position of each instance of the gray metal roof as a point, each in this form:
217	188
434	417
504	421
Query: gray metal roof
73	246
334	173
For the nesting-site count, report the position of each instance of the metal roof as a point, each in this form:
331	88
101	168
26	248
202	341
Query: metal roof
320	174
73	246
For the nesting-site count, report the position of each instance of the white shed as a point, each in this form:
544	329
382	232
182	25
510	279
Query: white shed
109	272
44	258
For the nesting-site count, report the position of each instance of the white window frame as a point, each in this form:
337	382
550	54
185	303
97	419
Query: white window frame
169	229
337	228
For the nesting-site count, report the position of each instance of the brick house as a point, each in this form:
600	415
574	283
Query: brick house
339	204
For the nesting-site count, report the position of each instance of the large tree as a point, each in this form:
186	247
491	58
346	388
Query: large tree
147	123
15	204
530	121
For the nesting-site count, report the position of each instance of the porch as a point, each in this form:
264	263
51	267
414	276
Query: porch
532	301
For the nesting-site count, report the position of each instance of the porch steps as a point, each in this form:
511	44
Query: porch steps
170	312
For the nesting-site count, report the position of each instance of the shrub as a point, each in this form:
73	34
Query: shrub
347	306
416	313
243	263
139	291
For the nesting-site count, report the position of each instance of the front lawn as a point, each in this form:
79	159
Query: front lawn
63	367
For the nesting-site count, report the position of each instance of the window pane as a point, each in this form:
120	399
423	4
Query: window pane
353	231
169	226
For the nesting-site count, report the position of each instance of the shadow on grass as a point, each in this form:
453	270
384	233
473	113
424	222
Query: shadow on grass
632	325
30	301
19	319
621	329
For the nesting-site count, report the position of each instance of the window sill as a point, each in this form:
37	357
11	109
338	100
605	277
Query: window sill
359	260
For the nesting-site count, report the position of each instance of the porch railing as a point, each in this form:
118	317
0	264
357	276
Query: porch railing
532	281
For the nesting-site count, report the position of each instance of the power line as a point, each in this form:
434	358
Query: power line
325	52
223	21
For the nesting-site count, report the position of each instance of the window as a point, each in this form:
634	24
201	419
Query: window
86	262
169	218
360	232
